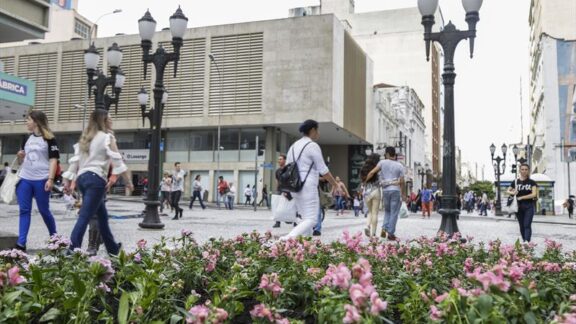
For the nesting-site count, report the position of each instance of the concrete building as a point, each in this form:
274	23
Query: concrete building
553	92
65	23
394	41
23	19
273	77
398	121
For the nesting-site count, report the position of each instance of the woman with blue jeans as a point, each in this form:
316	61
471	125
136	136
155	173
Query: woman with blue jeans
525	191
38	158
340	194
88	170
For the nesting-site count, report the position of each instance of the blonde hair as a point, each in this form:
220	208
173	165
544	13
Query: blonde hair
96	124
41	121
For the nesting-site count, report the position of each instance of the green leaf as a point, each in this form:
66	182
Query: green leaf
9	298
176	319
484	304
123	309
524	292
530	318
50	315
79	285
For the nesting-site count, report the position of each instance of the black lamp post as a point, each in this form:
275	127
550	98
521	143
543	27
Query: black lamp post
147	27
99	81
496	162
422	172
449	38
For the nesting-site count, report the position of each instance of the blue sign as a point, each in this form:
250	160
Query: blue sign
267	165
13	87
64	4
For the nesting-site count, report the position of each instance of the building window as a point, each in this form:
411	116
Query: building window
81	29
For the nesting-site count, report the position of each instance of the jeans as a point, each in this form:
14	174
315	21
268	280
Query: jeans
318	226
339	203
356	211
25	191
483	210
525	215
222	198
230	202
264	198
196	194
392	204
93	189
175	195
373	203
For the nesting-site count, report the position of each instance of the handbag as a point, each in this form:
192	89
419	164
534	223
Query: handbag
283	210
8	189
512	203
403	211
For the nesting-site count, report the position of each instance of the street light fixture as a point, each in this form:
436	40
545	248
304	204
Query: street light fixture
99	81
146	28
219	148
496	162
449	38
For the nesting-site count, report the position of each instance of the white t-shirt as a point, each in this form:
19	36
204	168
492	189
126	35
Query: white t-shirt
310	154
178	180
36	164
390	171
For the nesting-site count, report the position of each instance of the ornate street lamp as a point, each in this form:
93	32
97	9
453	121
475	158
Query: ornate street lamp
496	162
147	27
449	38
422	172
99	81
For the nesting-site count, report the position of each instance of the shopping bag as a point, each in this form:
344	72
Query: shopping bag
8	188
403	211
283	210
511	206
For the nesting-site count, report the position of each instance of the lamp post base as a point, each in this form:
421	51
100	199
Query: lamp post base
449	225
151	216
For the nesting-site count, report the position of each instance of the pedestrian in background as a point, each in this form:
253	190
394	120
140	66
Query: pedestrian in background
38	159
306	153
391	177
197	192
356	203
177	188
165	189
247	196
222	191
484	205
231	196
340	193
526	192
426	201
88	169
372	193
264	196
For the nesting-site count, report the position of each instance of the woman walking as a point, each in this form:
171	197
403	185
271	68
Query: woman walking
165	189
197	192
231	196
308	156
526	192
88	169
372	194
247	195
38	158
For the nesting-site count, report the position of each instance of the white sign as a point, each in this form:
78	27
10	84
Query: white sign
135	155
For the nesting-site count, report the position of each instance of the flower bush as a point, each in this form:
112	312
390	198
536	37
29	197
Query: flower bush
253	278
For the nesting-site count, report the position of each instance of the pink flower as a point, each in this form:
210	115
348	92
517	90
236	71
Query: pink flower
435	314
137	258
141	244
352	314
199	314
378	305
440	298
424	297
186	233
357	295
103	287
57	242
455	283
313	271
261	311
221	315
14	277
106	265
271	283
553	245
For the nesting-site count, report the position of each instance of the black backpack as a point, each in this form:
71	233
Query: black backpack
289	176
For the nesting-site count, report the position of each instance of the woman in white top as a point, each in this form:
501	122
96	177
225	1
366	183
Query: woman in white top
89	167
38	158
231	196
308	157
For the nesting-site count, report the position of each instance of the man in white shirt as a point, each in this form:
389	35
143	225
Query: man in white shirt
177	188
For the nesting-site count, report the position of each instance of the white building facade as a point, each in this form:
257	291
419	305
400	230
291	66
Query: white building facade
553	92
399	122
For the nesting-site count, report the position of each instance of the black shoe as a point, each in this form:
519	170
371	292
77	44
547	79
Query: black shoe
276	225
20	247
175	217
295	224
316	233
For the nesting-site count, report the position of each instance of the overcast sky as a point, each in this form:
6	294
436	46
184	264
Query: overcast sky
487	91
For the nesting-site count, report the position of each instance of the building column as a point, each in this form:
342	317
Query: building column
269	156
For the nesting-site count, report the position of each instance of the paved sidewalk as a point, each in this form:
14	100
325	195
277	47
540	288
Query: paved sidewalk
224	223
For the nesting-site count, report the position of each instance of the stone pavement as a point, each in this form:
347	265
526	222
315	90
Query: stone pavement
224	223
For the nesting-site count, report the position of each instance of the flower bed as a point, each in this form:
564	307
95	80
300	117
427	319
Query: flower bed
253	279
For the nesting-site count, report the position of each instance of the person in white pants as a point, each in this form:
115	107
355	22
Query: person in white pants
311	166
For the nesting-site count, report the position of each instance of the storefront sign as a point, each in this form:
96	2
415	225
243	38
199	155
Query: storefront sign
135	155
13	87
17	90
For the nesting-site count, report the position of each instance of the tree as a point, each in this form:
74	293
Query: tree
480	187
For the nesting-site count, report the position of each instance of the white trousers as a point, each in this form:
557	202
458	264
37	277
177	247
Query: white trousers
308	205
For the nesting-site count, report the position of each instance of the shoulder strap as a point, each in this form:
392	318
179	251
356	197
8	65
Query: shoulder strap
302	151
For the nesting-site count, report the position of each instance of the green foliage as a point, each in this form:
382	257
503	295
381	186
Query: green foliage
480	187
